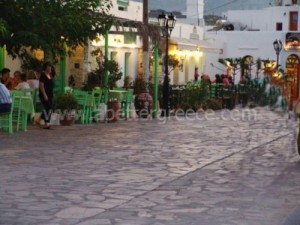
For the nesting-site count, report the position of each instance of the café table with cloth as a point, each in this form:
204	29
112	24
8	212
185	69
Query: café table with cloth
117	95
25	109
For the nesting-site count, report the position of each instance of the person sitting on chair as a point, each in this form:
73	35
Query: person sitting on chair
22	82
5	99
6	79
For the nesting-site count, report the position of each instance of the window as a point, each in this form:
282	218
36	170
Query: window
278	26
122	4
129	38
113	55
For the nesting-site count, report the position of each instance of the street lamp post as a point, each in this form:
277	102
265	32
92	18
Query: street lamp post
234	66
167	22
277	44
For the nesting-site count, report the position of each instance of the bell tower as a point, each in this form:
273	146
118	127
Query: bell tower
195	11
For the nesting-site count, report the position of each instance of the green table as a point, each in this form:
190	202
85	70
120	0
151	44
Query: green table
26	109
117	95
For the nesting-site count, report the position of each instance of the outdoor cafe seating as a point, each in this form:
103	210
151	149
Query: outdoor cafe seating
22	108
90	102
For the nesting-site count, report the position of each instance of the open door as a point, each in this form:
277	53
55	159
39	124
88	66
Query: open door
293	21
293	72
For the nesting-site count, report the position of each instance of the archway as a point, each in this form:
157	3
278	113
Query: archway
246	67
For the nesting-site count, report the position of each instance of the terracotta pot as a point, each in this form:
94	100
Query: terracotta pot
143	104
113	111
67	119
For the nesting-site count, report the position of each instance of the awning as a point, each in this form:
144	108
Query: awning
194	45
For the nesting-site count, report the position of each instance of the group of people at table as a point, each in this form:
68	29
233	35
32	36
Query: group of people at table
220	79
43	81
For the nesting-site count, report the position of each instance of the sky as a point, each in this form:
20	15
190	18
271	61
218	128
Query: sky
216	7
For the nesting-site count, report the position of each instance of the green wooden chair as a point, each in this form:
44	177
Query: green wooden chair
68	89
227	94
16	107
97	93
219	90
126	103
7	119
213	90
81	98
29	92
243	94
36	101
119	88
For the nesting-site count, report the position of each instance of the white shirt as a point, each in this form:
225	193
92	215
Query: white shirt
33	83
4	95
22	86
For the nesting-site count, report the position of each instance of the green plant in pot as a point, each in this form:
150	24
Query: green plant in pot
143	101
139	86
66	104
110	65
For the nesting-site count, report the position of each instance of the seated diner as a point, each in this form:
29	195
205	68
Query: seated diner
5	99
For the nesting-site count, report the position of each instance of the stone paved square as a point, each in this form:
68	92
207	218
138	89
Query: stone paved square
216	171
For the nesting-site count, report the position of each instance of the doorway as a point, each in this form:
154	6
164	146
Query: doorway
293	74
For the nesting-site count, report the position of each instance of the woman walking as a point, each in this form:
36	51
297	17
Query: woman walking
46	86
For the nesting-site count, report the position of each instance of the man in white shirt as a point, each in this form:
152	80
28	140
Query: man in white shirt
5	99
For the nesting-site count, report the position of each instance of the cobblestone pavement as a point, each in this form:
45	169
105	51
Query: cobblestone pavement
212	171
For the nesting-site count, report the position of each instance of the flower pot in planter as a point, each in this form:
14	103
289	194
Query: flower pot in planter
113	111
66	104
67	118
143	104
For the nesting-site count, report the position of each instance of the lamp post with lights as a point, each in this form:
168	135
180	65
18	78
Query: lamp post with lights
277	44
167	22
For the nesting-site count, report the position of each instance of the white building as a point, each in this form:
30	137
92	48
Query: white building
125	48
253	36
186	43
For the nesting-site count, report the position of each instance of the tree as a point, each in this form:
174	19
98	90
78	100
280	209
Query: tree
146	42
51	24
112	66
3	29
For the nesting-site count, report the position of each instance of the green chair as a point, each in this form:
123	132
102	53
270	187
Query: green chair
213	90
119	88
227	98
243	94
126	103
219	90
29	92
16	107
68	89
97	93
36	101
6	120
81	98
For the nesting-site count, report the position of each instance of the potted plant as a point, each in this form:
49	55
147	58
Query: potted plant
105	64
66	104
143	101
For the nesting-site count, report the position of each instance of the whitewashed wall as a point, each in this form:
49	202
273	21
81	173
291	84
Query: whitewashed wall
265	19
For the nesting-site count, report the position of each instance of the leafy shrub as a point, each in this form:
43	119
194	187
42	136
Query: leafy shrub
65	101
213	103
